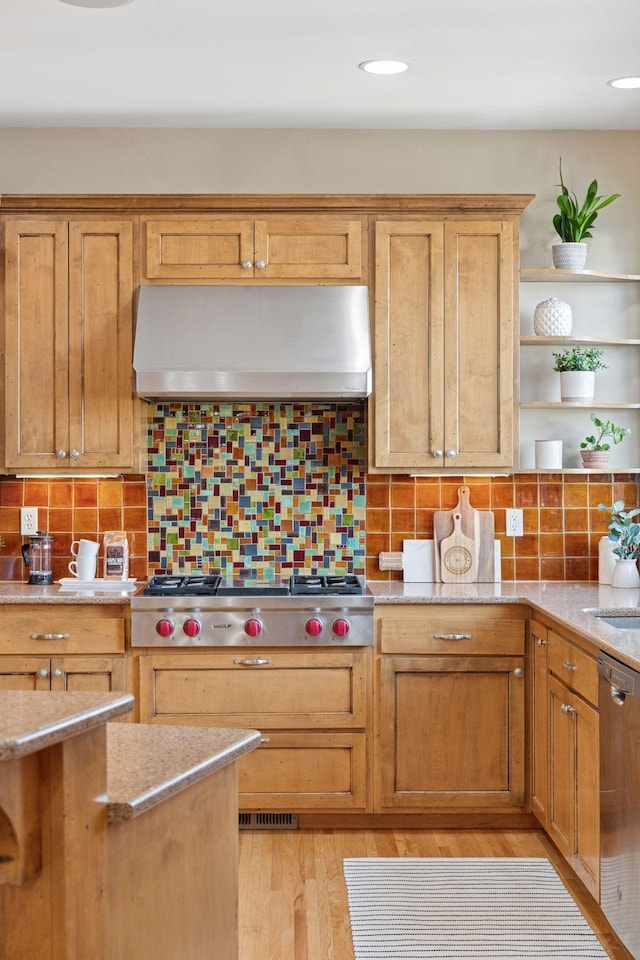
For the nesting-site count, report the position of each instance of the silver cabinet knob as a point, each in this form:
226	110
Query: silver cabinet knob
75	454
518	672
541	642
451	453
260	264
42	673
566	708
246	264
265	739
61	454
56	672
438	454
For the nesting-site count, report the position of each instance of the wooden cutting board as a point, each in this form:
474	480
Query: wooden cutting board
477	525
457	556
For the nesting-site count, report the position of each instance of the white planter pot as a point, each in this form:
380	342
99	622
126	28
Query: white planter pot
569	256
577	385
626	574
548	454
606	560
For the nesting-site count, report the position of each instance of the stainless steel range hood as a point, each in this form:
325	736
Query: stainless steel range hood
253	343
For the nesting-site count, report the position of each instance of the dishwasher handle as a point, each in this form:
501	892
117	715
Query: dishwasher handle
617	695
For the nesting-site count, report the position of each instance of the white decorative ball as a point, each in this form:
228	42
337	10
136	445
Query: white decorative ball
552	318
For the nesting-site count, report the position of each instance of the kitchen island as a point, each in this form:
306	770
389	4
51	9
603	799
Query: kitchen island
112	837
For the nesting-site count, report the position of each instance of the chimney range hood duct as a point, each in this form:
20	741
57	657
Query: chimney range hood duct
253	343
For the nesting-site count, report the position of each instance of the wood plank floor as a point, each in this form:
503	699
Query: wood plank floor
293	900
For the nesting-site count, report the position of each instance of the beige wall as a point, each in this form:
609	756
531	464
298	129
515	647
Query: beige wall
145	160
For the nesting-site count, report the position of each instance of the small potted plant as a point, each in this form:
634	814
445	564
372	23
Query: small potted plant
577	368
624	531
573	224
595	450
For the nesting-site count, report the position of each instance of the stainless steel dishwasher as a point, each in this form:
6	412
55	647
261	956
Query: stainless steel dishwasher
620	799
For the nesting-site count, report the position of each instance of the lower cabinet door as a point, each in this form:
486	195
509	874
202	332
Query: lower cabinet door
574	782
450	734
305	771
91	674
24	673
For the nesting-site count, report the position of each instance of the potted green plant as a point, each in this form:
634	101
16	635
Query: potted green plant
595	450
624	531
577	368
574	222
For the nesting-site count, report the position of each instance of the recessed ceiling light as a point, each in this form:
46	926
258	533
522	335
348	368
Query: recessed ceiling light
625	83
94	4
384	66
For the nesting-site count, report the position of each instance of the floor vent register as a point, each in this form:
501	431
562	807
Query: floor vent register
268	821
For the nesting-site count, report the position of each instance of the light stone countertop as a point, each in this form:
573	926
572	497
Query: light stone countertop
13	591
566	601
146	764
31	720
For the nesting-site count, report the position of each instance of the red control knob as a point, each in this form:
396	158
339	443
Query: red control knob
313	627
164	628
341	627
191	628
253	628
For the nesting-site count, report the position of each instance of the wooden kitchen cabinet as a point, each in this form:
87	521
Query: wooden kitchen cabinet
445	313
538	721
94	674
311	709
53	647
450	713
574	772
277	248
68	345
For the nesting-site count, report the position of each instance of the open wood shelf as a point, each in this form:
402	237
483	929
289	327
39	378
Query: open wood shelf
550	274
536	341
577	404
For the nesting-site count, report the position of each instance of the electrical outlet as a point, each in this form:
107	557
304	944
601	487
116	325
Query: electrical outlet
28	521
514	522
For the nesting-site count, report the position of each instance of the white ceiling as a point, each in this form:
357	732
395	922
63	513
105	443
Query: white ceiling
475	64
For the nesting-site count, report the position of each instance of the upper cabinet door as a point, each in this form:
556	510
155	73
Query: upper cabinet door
198	249
100	343
408	344
275	249
69	329
444	354
36	343
479	347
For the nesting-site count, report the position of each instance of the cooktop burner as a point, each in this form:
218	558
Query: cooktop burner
214	586
329	586
169	586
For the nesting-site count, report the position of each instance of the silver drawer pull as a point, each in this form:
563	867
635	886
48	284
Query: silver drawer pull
566	708
253	663
568	666
265	739
50	636
452	636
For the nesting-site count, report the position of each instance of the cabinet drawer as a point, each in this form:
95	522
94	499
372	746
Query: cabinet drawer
574	667
443	633
61	634
259	688
305	771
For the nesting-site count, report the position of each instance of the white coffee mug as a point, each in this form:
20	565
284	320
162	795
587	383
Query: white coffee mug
84	567
85	548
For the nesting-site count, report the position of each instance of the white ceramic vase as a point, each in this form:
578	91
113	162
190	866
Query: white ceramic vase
552	318
569	256
625	574
606	560
577	385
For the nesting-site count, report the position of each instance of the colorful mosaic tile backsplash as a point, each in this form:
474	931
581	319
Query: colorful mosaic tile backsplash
263	490
257	491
